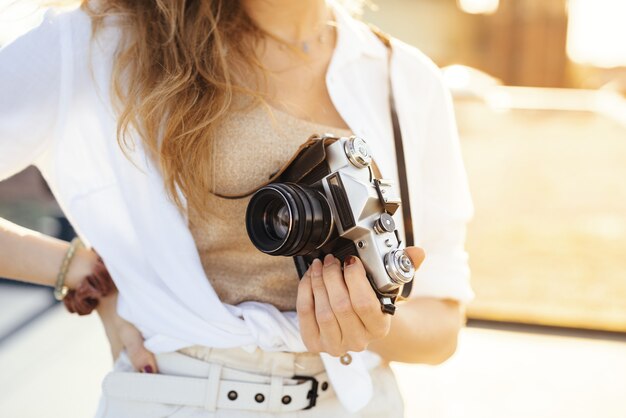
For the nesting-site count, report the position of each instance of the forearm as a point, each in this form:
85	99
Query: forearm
123	335
107	310
423	330
36	258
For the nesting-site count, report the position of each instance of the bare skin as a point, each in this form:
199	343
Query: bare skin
338	311
32	257
297	81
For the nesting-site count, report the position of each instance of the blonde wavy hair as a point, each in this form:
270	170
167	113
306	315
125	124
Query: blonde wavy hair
175	72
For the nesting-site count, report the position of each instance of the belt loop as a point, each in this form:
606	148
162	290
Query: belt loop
213	387
276	393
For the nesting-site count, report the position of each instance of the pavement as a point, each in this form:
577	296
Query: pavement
20	304
53	368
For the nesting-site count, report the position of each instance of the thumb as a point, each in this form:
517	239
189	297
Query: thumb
416	254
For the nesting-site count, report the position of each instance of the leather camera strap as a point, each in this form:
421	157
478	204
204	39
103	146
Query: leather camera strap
400	158
314	152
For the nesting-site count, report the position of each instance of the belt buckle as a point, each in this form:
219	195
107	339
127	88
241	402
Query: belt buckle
312	395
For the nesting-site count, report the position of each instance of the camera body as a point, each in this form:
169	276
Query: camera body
328	201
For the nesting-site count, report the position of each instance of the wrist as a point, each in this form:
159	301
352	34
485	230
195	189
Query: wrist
107	310
107	306
83	264
88	284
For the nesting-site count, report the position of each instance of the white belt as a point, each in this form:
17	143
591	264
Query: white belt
195	383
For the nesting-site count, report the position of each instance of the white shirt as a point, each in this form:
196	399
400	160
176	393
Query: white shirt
56	113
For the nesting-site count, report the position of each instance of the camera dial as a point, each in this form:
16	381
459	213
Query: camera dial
399	267
384	224
357	151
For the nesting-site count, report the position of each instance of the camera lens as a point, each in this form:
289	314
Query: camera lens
277	220
288	219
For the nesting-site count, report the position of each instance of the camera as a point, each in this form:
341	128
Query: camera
327	200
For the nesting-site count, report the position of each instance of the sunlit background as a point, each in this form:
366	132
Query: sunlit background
540	94
539	91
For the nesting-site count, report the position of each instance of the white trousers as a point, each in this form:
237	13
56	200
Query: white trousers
170	393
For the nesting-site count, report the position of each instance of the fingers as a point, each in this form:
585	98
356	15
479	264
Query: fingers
416	254
353	332
141	359
330	333
339	311
364	300
305	306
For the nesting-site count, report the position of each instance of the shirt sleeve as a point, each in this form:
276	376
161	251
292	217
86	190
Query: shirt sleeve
446	205
30	94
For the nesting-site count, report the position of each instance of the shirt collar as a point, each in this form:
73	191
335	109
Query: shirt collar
354	38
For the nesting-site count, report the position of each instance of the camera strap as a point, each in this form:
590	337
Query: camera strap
400	158
311	153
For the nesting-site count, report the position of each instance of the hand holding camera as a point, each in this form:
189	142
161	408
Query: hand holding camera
330	199
339	310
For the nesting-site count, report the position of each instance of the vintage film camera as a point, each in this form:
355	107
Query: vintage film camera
328	201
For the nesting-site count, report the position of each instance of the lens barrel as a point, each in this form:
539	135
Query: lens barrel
288	219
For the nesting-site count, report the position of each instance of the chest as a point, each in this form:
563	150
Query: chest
296	84
88	165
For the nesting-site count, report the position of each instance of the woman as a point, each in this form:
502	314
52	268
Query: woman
206	99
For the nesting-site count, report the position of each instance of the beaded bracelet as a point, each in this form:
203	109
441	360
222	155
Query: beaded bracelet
60	289
86	296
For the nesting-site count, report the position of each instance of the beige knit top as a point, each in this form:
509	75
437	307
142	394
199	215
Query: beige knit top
249	146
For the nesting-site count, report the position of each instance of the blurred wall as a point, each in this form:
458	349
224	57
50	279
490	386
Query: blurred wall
523	43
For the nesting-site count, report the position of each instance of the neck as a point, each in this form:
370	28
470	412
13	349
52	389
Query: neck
296	20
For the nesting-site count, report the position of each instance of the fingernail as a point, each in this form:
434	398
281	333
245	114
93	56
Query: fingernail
329	260
148	369
316	267
350	260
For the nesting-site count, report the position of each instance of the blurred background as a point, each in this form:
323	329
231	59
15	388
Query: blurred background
540	94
